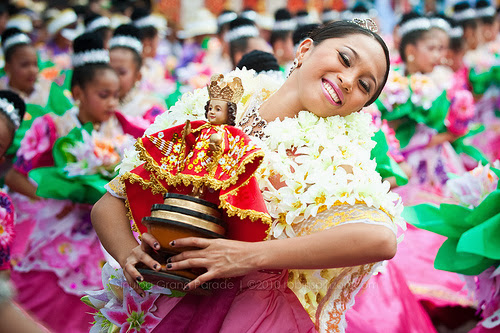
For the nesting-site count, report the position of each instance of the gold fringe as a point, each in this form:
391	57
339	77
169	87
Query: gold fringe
244	213
173	180
155	187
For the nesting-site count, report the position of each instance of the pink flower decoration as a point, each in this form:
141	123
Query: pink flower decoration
36	140
65	252
134	316
461	112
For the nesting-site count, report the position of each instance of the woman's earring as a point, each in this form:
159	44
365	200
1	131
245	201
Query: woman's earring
411	58
295	65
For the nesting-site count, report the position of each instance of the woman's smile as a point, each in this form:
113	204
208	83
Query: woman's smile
332	92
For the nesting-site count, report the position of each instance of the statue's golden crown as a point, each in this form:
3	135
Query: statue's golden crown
226	91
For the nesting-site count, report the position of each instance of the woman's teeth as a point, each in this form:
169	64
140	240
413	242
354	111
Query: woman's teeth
332	92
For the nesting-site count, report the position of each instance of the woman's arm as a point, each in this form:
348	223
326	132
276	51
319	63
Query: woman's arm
19	183
342	246
110	221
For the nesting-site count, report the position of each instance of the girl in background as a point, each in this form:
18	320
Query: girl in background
63	253
126	59
21	68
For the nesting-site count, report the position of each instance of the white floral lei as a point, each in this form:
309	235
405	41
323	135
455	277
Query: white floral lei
314	177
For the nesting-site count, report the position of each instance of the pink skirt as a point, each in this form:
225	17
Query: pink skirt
39	294
258	302
386	304
415	259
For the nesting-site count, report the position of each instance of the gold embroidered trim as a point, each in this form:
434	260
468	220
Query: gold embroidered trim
173	180
244	213
155	187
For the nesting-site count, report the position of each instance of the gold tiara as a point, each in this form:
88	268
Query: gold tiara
366	23
226	91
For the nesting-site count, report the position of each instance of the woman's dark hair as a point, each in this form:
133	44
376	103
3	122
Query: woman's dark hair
259	61
340	29
147	32
11	50
86	72
18	104
130	31
412	37
303	32
231	110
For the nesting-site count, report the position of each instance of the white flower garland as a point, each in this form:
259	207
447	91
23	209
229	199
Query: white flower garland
315	178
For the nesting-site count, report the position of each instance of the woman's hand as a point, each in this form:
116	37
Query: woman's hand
221	257
140	254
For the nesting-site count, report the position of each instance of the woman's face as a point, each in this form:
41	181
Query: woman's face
99	98
426	54
122	61
339	75
22	69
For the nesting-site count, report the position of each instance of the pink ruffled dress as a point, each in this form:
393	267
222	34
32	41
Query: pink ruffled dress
60	254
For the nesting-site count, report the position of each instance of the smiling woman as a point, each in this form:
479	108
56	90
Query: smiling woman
334	220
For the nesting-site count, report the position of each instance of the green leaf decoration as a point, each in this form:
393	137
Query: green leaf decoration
448	259
386	166
473	234
54	182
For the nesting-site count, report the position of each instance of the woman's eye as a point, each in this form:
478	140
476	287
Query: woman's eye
104	95
345	59
365	86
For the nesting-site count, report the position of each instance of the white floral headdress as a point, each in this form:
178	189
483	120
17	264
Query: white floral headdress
15	40
90	57
98	23
126	41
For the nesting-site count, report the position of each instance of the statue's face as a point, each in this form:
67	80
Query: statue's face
218	112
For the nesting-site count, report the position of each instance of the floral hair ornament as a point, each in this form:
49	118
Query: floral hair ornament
223	90
11	112
366	23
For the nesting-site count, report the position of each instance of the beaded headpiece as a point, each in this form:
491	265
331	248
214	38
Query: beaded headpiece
366	23
226	91
8	108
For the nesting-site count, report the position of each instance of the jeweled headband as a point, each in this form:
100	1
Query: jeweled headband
16	39
456	32
126	41
11	112
226	18
421	23
284	25
486	12
366	23
98	23
244	31
441	23
90	57
463	15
